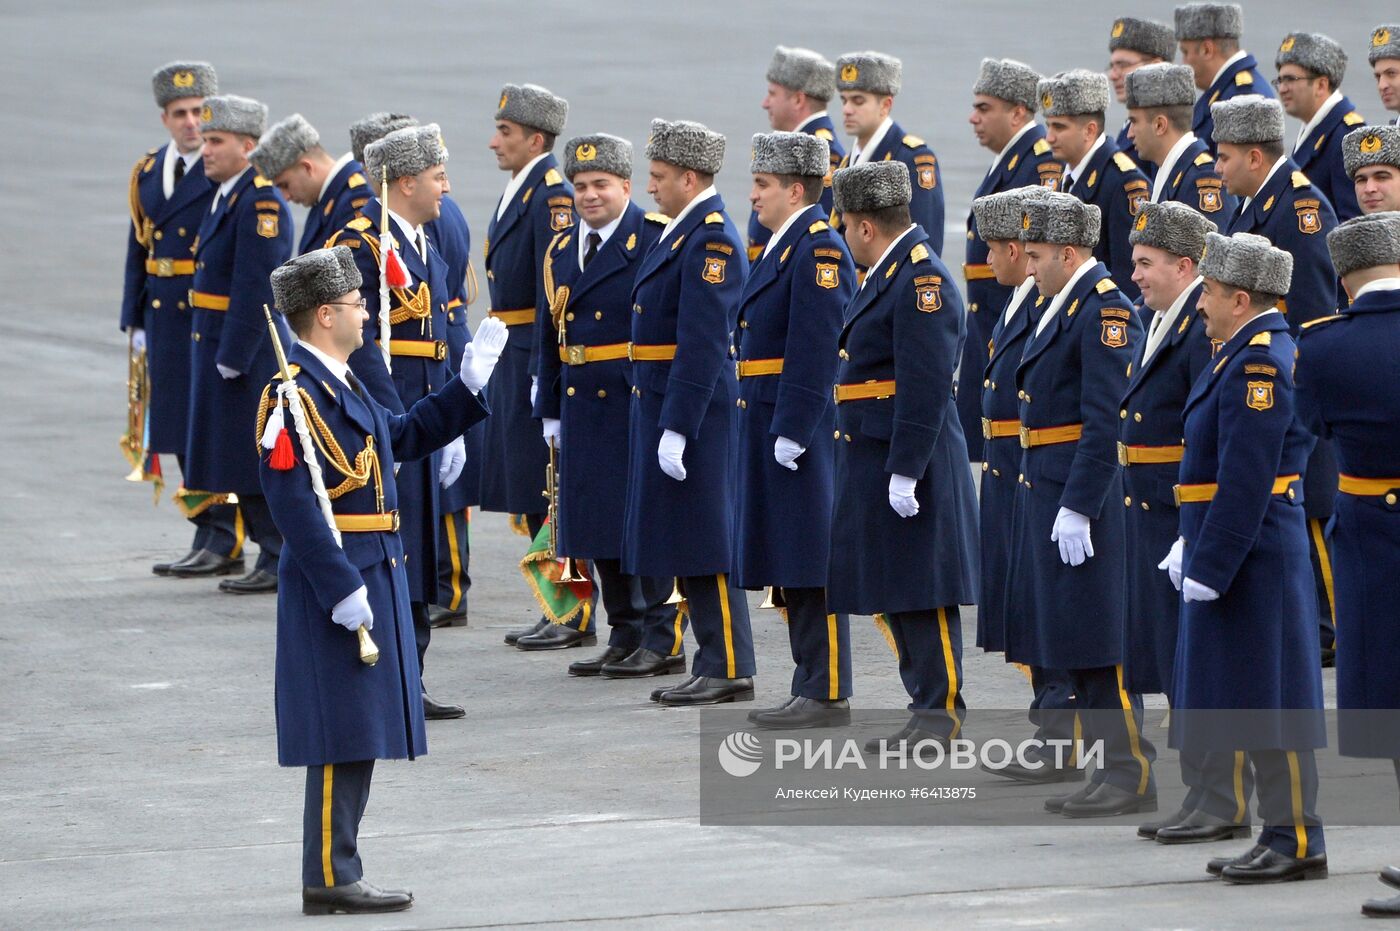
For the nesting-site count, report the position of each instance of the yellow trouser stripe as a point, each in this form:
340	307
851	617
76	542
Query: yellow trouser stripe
587	613
680	632
1241	806
728	625
951	669
1130	719
1078	740
833	666
327	782
456	558
238	532
1295	784
1325	563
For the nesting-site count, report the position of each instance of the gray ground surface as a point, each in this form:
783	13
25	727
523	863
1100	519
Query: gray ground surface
138	782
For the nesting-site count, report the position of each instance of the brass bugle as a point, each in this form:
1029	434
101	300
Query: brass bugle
768	601
369	653
677	596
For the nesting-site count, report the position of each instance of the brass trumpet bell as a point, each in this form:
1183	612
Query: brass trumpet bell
677	596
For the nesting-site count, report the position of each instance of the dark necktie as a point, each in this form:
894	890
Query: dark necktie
354	384
179	169
594	241
1069	182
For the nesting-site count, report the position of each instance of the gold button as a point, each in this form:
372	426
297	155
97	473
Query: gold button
1127	502
636	393
199	265
848	437
159	235
1291	494
195	336
1021	395
569	315
995	472
570	392
451	318
844	354
156	303
637	308
1390	498
405	559
1028	484
1137	418
1021	477
180	304
181	231
394	561
1145	507
969	235
743	324
994	386
985	467
597	315
602	393
972	307
986	383
1123	414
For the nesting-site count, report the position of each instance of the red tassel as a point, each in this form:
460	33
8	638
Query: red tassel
395	272
154	470
283	456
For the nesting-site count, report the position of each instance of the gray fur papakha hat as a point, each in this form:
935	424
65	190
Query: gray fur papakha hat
598	152
405	152
282	144
801	69
1074	93
184	79
1009	80
1061	220
1365	242
871	186
1147	36
1209	21
1249	119
373	128
229	113
790	154
1161	85
1370	145
314	278
1385	42
999	215
1313	52
686	144
533	106
872	72
1172	227
1247	262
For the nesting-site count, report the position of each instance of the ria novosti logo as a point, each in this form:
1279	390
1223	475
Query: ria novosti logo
740	754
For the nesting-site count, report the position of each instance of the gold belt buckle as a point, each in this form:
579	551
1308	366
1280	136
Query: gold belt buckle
1176	495
986	428
835	394
165	268
395	523
1122	454
1025	437
738	369
439	354
577	355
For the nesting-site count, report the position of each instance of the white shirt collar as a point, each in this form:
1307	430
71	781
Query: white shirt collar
1380	284
167	167
516	182
337	368
1238	56
1010	145
886	254
1267	178
787	225
228	186
1018	297
335	170
604	235
808	121
1164	171
1271	310
1159	332
1078	170
1058	300
1317	118
861	156
685	211
412	235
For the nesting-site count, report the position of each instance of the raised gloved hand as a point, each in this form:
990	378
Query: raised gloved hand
481	354
1173	562
1191	590
352	612
786	452
534	389
1071	531
550	429
902	495
229	373
454	458
138	339
669	452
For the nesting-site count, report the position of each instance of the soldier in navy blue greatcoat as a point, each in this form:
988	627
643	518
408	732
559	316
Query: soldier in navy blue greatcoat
1209	37
1132	44
584	404
1246	676
1347	391
904	531
1310	71
1004	103
335	714
333	190
786	342
169	198
800	83
1068	562
679	517
245	235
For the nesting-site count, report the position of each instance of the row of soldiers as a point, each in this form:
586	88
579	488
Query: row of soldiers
697	476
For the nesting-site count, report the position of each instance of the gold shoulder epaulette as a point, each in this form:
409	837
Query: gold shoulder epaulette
715	217
1203	159
913	141
658	218
1262	339
1123	162
553	177
1243	79
260	181
818	226
824	133
1312	323
356	180
1041	147
292	367
919	253
1300	180
153	151
360	223
1354	119
1105	286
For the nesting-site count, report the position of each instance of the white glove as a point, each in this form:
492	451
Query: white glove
454	458
352	612
1071	531
786	452
902	496
138	339
534	389
480	355
228	373
669	452
1173	562
1191	590
550	429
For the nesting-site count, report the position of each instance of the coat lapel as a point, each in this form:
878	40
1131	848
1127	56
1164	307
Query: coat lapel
668	247
312	368
519	205
612	258
1037	343
883	275
190	188
213	222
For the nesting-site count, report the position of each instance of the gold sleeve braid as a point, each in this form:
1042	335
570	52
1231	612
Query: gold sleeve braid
141	225
366	461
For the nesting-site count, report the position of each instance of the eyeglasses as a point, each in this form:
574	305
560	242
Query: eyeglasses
361	303
1288	79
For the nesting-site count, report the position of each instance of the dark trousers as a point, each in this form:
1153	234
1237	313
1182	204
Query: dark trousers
719	615
422	630
1224	784
1109	714
1287	783
257	519
663	631
929	644
634	605
1320	552
330	822
1052	708
454	560
821	645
